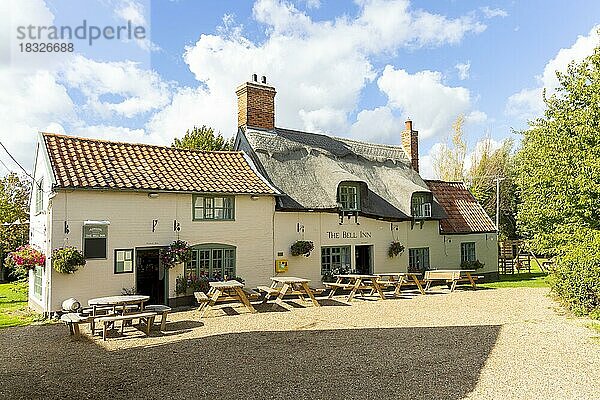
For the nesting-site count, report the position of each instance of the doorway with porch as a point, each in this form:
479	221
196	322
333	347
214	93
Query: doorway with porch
364	259
150	275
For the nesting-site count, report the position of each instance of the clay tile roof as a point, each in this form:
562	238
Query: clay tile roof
465	214
99	164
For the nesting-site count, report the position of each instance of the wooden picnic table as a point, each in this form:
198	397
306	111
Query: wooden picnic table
225	291
355	283
122	301
283	285
397	279
452	276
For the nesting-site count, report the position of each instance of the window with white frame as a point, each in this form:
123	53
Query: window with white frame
38	273
39	196
467	251
421	205
213	207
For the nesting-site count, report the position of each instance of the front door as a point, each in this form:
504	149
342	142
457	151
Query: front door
364	262
150	276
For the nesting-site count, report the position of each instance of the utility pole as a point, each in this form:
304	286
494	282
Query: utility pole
498	179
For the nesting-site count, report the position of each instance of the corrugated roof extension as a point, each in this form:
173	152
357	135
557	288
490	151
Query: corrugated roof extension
465	214
100	164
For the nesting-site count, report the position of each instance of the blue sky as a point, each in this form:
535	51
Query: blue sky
355	69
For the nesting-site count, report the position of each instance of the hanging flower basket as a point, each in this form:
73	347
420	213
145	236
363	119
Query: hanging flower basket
302	248
475	264
396	248
67	260
177	252
28	257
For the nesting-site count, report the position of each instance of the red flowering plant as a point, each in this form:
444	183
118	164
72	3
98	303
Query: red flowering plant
28	257
177	252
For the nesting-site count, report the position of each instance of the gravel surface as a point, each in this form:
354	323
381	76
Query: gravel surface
484	344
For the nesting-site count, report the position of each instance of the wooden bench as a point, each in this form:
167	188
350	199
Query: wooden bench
269	290
251	294
161	310
73	320
147	317
338	285
201	297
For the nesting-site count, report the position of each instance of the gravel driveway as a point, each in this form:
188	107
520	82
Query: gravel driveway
484	344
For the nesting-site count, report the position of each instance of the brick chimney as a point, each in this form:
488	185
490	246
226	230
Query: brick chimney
256	104
410	142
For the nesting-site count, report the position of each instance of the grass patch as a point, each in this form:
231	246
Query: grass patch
534	279
13	305
595	326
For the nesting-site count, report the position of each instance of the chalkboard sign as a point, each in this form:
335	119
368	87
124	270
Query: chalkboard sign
94	241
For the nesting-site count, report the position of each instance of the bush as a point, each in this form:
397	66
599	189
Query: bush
302	248
67	260
575	276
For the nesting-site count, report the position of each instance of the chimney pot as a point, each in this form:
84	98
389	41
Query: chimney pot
254	78
410	143
264	80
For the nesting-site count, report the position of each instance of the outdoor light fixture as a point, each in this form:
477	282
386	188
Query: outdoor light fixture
153	195
254	197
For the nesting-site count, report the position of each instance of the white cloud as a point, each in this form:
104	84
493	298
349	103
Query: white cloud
378	125
313	3
134	11
463	70
528	103
425	99
139	90
320	77
489	12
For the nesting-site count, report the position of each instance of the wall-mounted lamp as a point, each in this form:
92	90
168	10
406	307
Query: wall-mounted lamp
254	197
153	195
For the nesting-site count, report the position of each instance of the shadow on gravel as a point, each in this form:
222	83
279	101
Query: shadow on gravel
391	363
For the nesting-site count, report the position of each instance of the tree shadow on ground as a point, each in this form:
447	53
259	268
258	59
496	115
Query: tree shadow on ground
392	363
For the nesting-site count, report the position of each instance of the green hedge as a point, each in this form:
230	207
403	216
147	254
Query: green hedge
575	279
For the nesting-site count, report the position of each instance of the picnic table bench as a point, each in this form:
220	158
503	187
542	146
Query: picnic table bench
231	290
398	279
355	283
451	276
147	317
288	285
72	320
161	310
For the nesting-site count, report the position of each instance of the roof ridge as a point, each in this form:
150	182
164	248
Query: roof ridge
81	138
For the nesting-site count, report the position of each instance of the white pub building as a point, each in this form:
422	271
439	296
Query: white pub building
241	211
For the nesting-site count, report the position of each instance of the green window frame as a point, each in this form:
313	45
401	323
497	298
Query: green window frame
418	202
39	196
38	273
334	259
467	251
123	261
213	208
418	259
215	261
349	196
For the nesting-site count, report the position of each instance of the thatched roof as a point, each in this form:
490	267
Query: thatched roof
308	168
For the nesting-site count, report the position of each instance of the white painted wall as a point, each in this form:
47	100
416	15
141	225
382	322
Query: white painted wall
131	214
324	230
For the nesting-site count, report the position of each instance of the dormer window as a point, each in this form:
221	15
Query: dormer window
421	205
349	196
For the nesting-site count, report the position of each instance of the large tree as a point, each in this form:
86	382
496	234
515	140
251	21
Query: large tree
449	162
559	163
488	165
203	138
14	212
